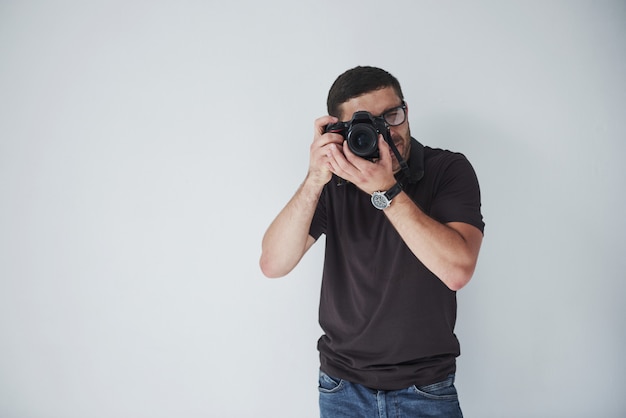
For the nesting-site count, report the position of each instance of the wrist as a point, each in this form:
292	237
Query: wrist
382	199
317	177
313	184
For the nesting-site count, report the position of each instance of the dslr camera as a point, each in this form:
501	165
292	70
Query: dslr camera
362	132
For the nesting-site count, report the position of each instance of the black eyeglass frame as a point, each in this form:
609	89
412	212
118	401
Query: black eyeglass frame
402	106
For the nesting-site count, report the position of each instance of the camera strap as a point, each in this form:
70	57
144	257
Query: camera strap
404	166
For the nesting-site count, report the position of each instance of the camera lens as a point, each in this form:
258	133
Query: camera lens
363	140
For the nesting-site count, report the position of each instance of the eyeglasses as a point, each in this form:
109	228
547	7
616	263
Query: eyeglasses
395	116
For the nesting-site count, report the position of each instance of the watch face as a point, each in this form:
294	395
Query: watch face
379	200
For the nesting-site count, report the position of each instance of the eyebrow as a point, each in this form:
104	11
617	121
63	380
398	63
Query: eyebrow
392	108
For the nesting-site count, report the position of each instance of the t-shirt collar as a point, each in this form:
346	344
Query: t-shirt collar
415	162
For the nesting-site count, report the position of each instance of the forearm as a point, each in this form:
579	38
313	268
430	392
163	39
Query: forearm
450	251
287	238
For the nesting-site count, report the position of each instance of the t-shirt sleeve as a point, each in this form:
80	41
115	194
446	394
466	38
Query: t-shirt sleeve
457	197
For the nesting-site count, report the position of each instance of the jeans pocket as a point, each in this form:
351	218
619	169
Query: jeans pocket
328	384
441	391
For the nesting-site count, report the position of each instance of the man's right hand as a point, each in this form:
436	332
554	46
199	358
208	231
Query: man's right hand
319	160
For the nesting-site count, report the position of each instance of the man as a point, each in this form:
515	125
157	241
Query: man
393	261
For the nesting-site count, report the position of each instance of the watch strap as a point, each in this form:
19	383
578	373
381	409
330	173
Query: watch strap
382	200
393	192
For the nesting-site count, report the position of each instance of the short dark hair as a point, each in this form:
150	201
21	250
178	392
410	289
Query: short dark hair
356	82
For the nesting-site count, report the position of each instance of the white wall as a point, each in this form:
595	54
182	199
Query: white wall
146	145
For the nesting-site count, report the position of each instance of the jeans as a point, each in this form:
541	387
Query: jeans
342	399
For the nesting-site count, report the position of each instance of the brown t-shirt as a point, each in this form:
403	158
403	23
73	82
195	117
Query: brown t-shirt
388	321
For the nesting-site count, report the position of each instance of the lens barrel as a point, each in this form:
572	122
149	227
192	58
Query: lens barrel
363	140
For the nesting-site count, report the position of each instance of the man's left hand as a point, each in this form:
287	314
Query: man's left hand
369	176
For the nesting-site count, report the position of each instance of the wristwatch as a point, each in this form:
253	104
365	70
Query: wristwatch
382	200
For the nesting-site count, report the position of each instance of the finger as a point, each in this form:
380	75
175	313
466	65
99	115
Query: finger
322	141
321	123
340	161
359	162
347	151
384	150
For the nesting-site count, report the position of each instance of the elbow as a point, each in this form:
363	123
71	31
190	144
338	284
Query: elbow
457	284
458	279
461	271
270	269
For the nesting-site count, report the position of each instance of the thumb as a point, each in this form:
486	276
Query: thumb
384	150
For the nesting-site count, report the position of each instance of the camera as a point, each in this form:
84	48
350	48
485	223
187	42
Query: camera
362	132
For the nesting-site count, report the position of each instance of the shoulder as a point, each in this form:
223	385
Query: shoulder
437	161
438	155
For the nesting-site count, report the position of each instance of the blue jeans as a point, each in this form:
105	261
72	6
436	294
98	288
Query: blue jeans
342	399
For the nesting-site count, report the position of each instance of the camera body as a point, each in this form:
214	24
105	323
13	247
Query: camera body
362	132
